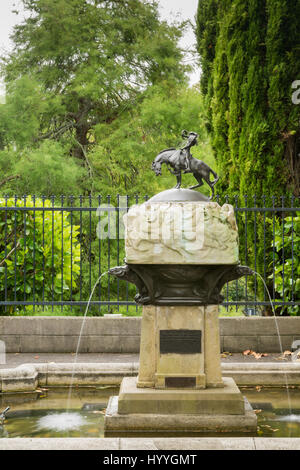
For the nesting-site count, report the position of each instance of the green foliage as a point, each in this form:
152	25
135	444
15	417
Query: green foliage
37	251
45	170
250	53
250	57
286	276
20	115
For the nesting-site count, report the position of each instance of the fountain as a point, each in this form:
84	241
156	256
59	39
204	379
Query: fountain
181	248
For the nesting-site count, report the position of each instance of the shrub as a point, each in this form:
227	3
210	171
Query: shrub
287	263
38	250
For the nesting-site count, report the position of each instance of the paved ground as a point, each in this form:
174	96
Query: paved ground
16	359
170	444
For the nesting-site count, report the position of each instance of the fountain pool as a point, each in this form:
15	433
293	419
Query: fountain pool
47	416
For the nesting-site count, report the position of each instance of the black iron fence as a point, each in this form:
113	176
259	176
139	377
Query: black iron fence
53	250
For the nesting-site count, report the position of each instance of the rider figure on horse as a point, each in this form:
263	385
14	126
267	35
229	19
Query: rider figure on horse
192	140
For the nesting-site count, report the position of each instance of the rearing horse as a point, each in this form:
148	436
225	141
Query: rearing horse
182	160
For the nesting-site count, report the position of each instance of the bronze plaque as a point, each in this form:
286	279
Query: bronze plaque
180	341
180	382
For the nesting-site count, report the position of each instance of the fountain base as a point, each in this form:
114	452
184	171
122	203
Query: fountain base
180	386
176	411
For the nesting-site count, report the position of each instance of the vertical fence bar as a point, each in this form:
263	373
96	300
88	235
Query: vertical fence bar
43	258
292	205
246	248
90	244
99	245
127	208
71	237
33	253
237	281
25	247
108	248
264	222
5	252
283	254
62	253
53	200
273	223
80	261
227	288
15	252
118	247
136	201
255	264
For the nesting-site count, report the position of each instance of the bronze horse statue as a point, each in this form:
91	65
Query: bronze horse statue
182	160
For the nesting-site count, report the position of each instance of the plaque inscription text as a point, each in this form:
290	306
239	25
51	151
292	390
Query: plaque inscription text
180	341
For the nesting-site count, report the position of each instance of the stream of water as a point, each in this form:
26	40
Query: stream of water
79	340
279	340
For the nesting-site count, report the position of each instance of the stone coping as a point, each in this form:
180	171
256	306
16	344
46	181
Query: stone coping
28	377
157	443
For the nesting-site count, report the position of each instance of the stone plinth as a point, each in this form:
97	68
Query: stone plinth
209	401
197	364
169	424
195	232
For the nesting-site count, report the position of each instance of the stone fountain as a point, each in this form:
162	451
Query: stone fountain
181	248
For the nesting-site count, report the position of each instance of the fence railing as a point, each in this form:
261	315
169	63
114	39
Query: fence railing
53	250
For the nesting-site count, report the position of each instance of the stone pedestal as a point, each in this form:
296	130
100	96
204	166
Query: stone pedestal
191	331
179	387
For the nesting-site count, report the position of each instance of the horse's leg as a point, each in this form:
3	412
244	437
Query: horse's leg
216	177
199	179
178	176
171	171
212	191
193	187
210	184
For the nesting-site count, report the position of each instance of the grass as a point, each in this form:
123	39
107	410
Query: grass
231	311
131	311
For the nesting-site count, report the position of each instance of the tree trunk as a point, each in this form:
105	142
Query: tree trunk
82	142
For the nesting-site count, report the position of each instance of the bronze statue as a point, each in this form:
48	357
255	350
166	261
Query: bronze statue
182	160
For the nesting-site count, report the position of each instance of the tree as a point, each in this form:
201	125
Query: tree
92	60
46	170
250	57
20	115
